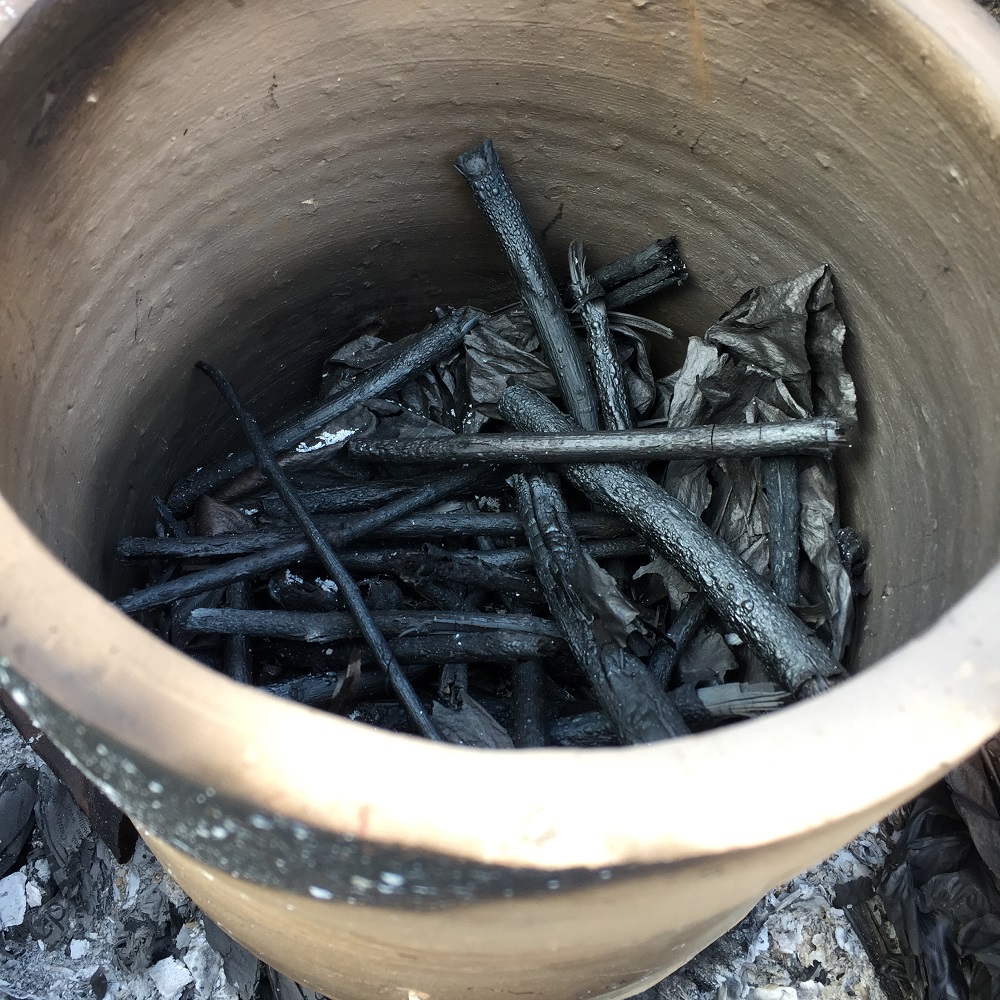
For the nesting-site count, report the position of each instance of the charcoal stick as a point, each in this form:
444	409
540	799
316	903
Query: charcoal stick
497	201
816	436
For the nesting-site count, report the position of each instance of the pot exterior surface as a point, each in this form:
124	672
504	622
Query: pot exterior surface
231	182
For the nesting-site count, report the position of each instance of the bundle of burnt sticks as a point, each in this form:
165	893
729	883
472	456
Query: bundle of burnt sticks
504	531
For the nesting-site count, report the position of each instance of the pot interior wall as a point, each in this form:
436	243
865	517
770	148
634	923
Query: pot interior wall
244	184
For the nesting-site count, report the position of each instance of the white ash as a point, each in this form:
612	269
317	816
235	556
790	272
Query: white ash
170	977
13	900
795	945
325	439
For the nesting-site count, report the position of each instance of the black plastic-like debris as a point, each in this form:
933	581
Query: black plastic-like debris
18	790
243	969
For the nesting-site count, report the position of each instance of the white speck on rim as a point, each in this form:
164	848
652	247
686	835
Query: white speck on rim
317	892
259	822
219	833
155	787
393	878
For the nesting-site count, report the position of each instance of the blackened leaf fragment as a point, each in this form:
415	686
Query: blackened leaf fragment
742	515
501	347
825	581
834	394
766	330
211	517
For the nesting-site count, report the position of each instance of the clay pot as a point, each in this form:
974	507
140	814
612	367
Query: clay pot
224	181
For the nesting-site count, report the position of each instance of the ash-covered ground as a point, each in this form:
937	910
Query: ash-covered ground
75	924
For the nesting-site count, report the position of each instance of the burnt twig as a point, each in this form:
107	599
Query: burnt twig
663	660
327	557
336	626
609	375
781	485
818	436
425	348
660	253
400	527
658	280
496	199
236	649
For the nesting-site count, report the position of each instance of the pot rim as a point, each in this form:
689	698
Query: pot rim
857	752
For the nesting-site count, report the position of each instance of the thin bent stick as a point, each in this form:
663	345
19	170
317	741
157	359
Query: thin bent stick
345	582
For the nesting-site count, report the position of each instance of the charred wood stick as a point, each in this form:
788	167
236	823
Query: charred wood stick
463	523
261	563
818	436
402	526
169	520
334	499
793	655
609	376
498	560
620	681
496	199
781	486
236	648
528	681
467	569
663	660
658	280
422	351
499	648
660	253
349	591
335	626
